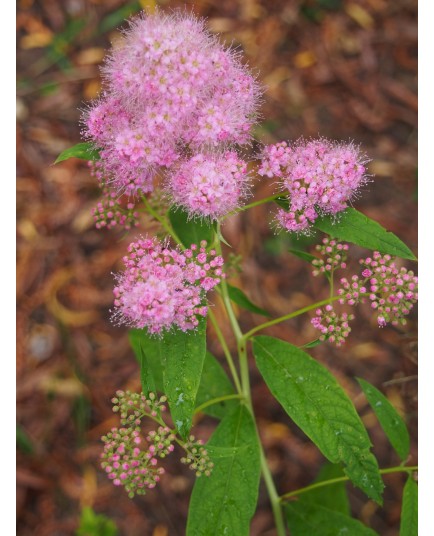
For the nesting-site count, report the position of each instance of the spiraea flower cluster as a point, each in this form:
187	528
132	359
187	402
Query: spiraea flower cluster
209	185
163	287
392	292
318	176
127	459
172	92
334	255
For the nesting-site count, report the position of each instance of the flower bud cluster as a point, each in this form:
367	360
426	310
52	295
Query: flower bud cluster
161	441
123	459
132	406
335	256
163	288
126	464
352	292
333	327
197	457
319	176
112	210
392	290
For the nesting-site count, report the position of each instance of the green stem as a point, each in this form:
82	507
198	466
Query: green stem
225	294
289	316
299	312
216	401
254	204
273	496
386	471
245	384
163	221
226	350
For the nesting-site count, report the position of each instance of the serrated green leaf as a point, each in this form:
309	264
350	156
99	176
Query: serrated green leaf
353	226
190	230
225	502
175	361
152	366
85	151
183	355
319	406
409	512
238	297
309	519
146	376
303	255
391	422
333	496
214	383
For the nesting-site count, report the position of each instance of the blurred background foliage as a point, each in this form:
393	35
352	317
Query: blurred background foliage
344	69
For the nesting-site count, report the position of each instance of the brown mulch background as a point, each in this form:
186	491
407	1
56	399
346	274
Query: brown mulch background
337	68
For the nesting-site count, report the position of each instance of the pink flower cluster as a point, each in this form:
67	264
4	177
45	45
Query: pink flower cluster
163	288
171	90
209	185
333	327
319	176
335	256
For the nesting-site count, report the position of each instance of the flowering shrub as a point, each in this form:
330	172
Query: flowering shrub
168	129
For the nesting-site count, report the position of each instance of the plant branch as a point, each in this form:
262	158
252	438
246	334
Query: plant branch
216	401
253	204
316	485
299	312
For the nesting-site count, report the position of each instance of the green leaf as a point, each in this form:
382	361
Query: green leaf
85	151
353	226
92	524
190	230
333	496
319	406
151	367
409	510
225	502
146	376
309	519
303	255
214	383
391	422
238	297
183	354
283	202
